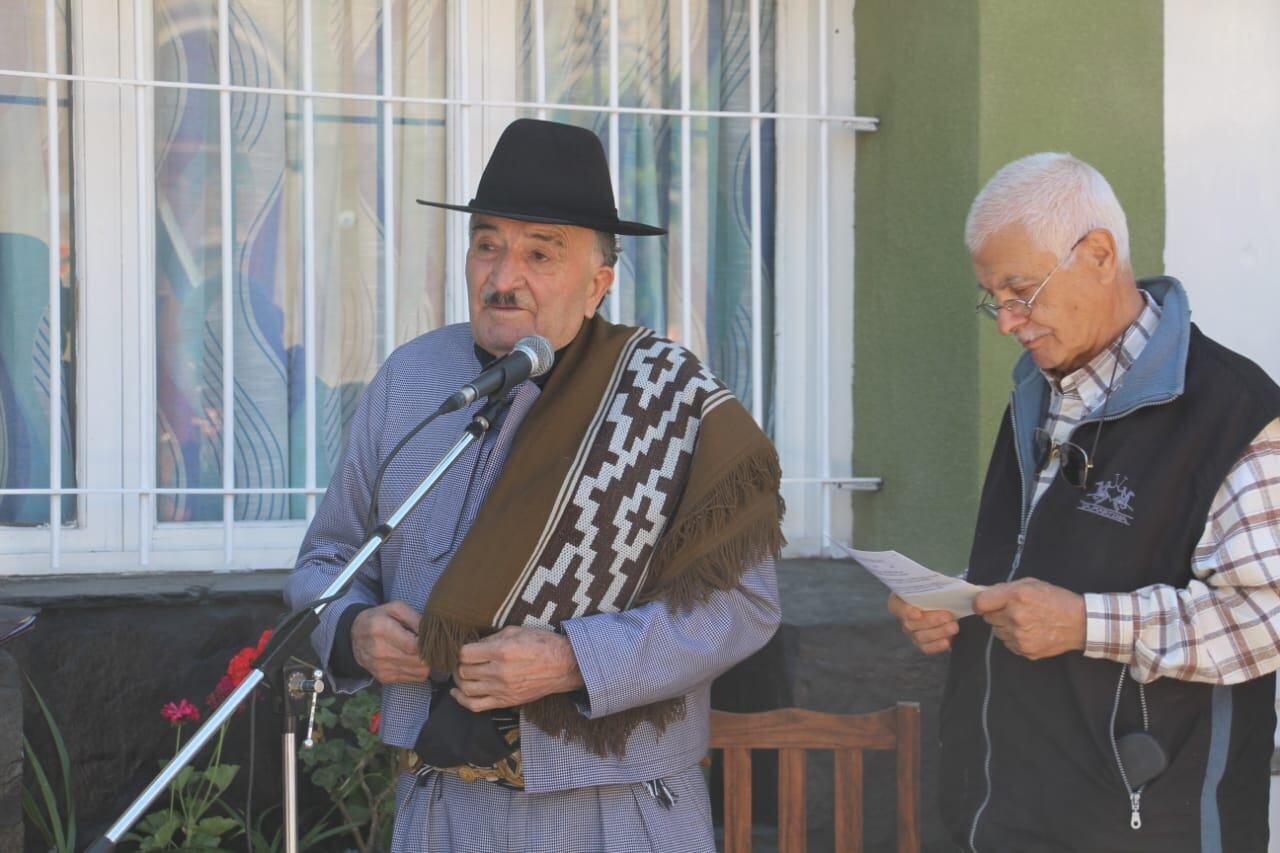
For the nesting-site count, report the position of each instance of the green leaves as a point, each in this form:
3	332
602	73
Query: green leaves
183	779
350	761
58	831
216	826
325	718
155	831
220	777
187	823
316	831
163	830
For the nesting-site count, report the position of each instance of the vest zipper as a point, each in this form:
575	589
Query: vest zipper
1013	570
1134	796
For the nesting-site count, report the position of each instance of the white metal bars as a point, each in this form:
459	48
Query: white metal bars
459	174
228	284
461	99
309	342
686	176
146	296
615	169
852	122
540	55
55	286
824	267
389	288
757	237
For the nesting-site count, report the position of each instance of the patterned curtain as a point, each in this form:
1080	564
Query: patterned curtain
267	286
24	272
577	39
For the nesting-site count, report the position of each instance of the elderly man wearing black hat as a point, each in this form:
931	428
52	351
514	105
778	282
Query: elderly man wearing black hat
547	623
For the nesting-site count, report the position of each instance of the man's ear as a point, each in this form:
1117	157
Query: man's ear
600	284
1099	250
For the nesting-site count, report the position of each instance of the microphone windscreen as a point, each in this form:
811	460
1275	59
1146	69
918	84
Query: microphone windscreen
539	351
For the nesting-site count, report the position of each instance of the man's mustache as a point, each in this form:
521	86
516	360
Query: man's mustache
500	299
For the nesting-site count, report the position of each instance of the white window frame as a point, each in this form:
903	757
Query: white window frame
112	89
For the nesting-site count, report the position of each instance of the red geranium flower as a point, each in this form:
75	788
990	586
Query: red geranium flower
220	692
241	665
238	669
180	712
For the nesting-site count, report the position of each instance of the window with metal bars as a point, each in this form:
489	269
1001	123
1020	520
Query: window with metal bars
236	248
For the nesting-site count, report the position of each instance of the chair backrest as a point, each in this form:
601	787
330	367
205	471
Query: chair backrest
791	731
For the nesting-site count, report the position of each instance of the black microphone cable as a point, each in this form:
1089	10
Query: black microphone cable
541	358
371	517
497	407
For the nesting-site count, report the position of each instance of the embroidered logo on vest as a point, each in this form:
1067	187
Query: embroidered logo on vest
1111	499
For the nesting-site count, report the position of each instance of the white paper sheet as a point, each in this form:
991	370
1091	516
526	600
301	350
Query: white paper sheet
914	583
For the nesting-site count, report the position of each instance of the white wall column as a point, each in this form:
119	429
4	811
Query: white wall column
1222	175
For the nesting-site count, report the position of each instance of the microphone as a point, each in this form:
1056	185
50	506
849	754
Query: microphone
531	356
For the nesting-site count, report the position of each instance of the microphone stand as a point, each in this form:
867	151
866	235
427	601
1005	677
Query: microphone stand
292	632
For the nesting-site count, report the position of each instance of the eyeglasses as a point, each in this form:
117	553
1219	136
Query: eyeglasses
1021	308
1074	462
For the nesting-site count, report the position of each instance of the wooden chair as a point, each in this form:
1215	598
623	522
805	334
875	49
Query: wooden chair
791	731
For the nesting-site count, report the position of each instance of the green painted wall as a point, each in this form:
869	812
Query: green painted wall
917	67
961	88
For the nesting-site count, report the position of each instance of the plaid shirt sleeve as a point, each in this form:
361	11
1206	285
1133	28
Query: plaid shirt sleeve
1224	626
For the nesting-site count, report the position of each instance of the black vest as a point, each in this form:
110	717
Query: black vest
1054	783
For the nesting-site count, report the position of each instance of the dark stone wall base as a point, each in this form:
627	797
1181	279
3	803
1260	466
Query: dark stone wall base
10	755
108	653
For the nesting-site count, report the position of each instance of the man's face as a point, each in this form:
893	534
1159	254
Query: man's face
1073	317
528	278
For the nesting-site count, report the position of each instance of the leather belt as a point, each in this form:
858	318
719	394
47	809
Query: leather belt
508	773
409	761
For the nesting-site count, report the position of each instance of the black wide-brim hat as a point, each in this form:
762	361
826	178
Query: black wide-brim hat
544	171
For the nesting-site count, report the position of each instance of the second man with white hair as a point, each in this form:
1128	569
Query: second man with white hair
1116	690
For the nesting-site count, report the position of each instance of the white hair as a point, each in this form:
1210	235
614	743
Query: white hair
1056	197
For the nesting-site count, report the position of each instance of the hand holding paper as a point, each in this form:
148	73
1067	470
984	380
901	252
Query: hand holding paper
930	630
915	584
1034	619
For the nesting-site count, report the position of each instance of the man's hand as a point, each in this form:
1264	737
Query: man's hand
514	666
385	642
1032	618
930	630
